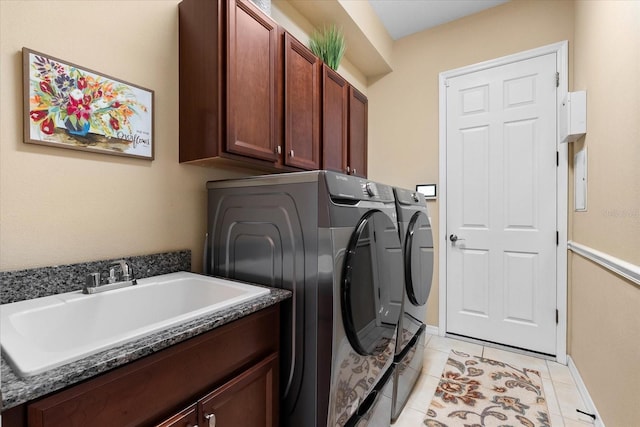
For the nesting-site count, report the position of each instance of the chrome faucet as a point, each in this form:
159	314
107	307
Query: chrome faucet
94	283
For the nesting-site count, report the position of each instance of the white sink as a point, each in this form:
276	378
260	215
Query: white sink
40	334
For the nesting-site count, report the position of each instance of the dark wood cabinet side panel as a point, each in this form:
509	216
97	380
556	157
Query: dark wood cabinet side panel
251	82
148	390
201	29
358	112
249	400
302	105
334	120
15	417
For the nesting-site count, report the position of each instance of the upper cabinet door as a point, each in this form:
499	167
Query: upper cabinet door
358	105
252	52
301	105
334	120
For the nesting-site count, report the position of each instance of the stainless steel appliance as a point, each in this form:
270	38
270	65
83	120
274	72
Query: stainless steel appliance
417	243
332	239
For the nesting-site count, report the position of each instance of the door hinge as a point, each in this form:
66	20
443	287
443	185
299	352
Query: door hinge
557	158
557	317
446	83
557	79
557	238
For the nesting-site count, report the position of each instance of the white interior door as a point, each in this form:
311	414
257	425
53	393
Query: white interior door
501	204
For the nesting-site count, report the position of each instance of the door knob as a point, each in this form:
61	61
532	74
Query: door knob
454	238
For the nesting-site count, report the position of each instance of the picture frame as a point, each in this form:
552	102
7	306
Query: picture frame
74	107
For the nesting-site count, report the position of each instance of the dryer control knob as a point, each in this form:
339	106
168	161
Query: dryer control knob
372	191
415	197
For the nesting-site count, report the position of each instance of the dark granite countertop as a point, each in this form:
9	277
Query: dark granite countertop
17	390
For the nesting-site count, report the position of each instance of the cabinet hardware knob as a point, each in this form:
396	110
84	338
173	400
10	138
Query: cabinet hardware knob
279	149
291	153
354	171
348	170
211	418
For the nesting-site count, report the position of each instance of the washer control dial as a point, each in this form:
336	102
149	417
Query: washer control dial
371	189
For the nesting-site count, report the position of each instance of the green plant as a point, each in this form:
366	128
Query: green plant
328	45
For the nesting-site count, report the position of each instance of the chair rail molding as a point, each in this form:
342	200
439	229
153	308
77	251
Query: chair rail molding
623	268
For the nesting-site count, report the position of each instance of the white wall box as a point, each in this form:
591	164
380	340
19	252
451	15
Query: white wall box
573	116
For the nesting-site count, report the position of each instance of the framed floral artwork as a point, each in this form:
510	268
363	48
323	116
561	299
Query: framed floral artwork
73	107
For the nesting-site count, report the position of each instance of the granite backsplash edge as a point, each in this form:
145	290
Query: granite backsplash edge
20	285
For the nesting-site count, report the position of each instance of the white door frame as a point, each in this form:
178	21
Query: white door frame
561	49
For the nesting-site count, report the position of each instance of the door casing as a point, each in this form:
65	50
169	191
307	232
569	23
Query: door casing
561	50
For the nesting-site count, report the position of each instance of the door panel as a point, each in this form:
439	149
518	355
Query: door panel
334	120
302	105
357	142
501	204
251	81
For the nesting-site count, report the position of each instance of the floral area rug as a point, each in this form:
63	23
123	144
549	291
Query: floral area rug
474	392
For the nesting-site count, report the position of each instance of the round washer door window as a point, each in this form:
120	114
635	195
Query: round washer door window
418	259
369	310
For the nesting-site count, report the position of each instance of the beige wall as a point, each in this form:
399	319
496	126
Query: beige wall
60	206
403	106
605	322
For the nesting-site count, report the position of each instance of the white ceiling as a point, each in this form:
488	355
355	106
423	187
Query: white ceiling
405	17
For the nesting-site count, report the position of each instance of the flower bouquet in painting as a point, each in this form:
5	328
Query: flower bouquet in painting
77	108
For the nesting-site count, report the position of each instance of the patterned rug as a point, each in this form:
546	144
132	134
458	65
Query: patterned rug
474	392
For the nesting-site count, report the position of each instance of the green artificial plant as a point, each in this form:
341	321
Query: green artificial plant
328	45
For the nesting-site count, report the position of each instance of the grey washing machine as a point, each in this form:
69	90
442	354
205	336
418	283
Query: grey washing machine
417	246
332	240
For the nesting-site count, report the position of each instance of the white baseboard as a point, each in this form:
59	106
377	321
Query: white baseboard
432	330
584	393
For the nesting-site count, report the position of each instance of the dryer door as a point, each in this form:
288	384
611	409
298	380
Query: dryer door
418	259
371	291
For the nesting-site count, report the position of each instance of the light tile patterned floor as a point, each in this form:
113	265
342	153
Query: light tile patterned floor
562	394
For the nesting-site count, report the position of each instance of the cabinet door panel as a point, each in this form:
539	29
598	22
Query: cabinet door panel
186	418
302	105
249	400
357	159
334	121
251	82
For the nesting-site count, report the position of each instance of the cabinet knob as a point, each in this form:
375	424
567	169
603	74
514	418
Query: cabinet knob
278	150
354	171
211	418
348	170
291	153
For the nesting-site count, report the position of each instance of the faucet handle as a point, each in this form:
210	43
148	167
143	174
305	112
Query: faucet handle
127	271
92	281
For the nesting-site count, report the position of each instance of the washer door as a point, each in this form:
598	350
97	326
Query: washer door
371	298
418	268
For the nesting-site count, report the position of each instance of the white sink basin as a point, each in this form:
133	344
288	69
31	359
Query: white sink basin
39	334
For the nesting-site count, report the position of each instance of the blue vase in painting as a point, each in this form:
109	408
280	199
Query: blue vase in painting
78	129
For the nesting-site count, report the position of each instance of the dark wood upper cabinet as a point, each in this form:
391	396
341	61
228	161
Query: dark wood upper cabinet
228	81
251	93
357	141
252	54
301	105
334	120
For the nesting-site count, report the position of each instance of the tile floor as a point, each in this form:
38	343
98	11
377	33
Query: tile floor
559	388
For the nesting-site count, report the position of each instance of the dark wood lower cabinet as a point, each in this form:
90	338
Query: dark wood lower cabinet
250	399
231	372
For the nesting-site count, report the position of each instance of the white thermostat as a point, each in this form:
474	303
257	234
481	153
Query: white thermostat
429	190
